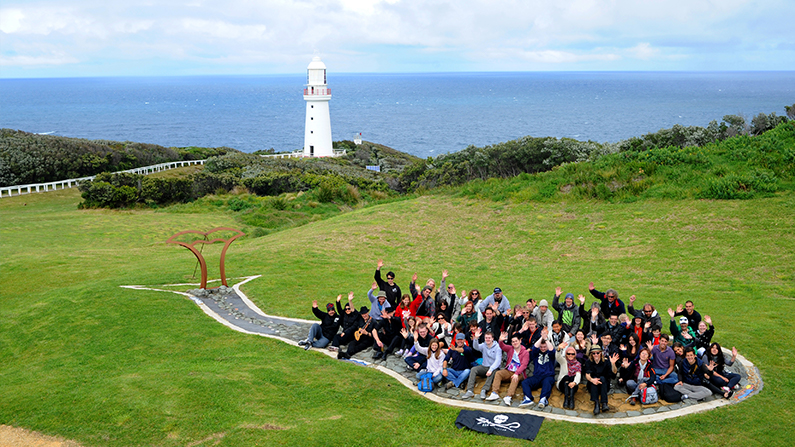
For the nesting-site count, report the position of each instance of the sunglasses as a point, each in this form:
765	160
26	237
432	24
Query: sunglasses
570	354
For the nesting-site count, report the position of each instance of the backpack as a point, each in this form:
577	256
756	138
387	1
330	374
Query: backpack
648	395
669	394
426	383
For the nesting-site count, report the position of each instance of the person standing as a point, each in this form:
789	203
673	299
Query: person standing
610	303
568	313
389	286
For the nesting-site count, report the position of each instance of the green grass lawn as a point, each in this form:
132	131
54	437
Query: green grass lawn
87	360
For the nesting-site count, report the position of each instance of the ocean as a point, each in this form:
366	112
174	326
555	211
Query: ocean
422	114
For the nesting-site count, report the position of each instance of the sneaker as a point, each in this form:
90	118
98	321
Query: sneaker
302	342
507	400
685	396
737	387
449	385
483	393
493	396
526	401
725	389
399	352
333	348
543	402
467	395
307	346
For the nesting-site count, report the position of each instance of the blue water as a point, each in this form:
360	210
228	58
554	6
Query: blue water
423	114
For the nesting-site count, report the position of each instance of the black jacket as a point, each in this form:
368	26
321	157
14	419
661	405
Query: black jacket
328	325
393	293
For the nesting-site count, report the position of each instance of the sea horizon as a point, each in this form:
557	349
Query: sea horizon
424	113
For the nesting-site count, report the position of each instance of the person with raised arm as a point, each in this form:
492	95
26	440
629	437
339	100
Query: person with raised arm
424	305
647	314
704	335
492	358
689	311
598	373
380	306
517	360
593	322
693	383
490	323
543	357
682	332
568	313
362	334
320	335
637	374
610	303
389	286
467	315
716	363
350	317
435	355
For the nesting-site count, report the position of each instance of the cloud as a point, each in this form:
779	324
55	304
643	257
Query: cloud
398	35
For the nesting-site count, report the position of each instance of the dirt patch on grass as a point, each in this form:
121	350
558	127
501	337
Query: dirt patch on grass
21	437
268	426
215	438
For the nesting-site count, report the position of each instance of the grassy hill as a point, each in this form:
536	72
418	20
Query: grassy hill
87	360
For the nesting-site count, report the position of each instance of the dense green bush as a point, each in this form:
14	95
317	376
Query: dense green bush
166	190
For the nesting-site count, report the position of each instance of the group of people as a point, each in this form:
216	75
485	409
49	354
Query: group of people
460	337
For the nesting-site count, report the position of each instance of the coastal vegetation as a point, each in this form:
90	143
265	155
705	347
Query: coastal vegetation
32	158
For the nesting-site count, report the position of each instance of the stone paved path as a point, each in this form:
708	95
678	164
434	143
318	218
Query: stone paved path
232	308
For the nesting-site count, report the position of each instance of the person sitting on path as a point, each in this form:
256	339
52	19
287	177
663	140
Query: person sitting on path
610	303
598	373
362	334
498	301
689	311
392	290
419	361
543	357
386	336
456	367
638	374
442	329
648	314
693	382
663	361
435	355
350	317
718	375
517	360
492	358
569	376
568	313
320	335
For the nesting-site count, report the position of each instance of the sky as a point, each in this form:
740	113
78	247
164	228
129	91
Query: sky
75	38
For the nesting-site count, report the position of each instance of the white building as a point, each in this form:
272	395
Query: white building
317	130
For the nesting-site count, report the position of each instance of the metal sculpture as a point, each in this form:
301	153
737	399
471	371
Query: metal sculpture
192	247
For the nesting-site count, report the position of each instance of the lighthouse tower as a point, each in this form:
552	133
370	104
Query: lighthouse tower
317	130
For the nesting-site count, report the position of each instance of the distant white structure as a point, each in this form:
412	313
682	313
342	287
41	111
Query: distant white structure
357	139
317	130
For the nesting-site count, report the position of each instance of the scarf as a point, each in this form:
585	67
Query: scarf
573	366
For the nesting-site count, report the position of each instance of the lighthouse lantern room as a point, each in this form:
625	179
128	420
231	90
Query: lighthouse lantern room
317	130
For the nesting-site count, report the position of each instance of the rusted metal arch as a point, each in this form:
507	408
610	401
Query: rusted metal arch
192	247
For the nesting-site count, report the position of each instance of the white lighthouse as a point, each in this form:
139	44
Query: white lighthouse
317	131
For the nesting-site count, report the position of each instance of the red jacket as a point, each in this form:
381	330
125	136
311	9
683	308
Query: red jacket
524	358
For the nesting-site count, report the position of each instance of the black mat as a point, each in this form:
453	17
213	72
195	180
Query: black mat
522	426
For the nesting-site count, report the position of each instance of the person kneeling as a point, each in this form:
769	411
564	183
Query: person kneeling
543	358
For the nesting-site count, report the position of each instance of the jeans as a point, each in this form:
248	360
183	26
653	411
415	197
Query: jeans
734	379
599	391
533	382
316	337
672	378
457	377
419	358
